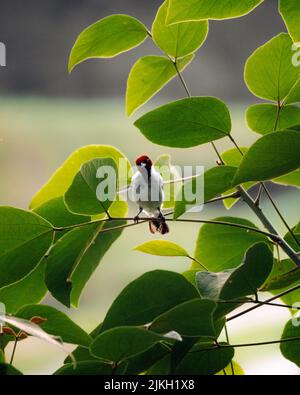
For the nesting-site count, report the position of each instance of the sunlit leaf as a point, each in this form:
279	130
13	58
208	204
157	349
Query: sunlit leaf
186	123
148	76
107	38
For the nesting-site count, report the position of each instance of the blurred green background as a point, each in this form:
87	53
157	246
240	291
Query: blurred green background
38	134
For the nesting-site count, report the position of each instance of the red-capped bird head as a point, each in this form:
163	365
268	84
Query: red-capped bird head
144	161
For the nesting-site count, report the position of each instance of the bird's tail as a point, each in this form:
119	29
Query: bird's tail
159	225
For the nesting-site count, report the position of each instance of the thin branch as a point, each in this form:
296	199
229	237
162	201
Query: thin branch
14	351
280	214
228	341
263	303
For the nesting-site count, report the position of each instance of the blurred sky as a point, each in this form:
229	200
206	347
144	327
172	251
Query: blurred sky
40	34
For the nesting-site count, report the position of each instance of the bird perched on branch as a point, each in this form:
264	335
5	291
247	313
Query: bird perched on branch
147	192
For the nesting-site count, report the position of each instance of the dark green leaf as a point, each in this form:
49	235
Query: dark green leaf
120	343
31	289
271	156
205	359
186	123
25	238
147	297
193	318
8	370
291	350
86	368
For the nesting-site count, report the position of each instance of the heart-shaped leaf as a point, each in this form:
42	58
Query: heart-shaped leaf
180	40
191	10
186	123
270	73
25	238
148	76
107	38
271	156
147	297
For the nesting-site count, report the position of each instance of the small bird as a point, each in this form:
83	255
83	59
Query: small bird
147	192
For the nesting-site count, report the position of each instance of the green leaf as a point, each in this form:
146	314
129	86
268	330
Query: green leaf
57	324
290	239
148	76
291	350
142	362
162	248
233	157
240	282
61	180
85	368
25	238
221	247
9	370
265	118
56	212
74	258
290	12
215	181
186	123
179	40
292	179
92	258
84	195
205	359
107	38
147	297
191	10
283	276
31	289
271	156
120	343
193	318
270	73
2	356
237	370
